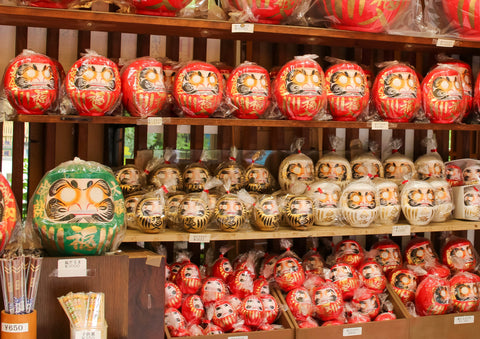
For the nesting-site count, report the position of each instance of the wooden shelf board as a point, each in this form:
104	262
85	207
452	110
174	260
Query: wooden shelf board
285	232
124	120
86	20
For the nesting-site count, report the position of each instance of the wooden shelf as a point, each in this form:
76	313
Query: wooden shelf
86	20
124	120
285	232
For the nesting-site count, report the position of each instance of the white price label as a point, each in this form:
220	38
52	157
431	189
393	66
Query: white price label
155	121
401	230
197	238
88	334
466	319
239	337
68	268
350	332
15	328
242	28
379	125
445	43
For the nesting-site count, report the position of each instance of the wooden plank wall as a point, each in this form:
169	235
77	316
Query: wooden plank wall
52	144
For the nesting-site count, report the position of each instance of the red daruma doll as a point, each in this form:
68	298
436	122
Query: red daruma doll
143	89
365	16
93	85
396	92
198	89
347	90
248	87
31	83
442	95
299	88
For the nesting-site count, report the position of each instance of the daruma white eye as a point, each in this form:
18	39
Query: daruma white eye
96	194
68	195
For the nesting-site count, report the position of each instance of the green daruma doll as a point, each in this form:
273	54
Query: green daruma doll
78	209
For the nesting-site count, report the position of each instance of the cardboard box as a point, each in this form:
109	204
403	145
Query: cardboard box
462	211
447	326
391	329
287	332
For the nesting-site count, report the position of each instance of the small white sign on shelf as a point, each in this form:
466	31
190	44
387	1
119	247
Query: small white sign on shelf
88	334
154	121
350	332
243	28
445	43
401	230
380	125
239	337
69	268
199	238
466	319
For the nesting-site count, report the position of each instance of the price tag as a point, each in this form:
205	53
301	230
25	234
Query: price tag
379	125
88	334
445	43
466	319
197	238
350	332
401	230
242	28
239	337
15	328
155	121
68	268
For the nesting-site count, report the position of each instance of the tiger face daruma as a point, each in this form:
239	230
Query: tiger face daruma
359	202
78	209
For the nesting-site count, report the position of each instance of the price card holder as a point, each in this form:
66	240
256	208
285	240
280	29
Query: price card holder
380	125
352	331
401	230
445	43
243	28
72	267
466	319
199	238
154	121
239	337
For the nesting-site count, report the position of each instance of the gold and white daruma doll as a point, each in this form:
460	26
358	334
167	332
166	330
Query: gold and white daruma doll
418	202
359	202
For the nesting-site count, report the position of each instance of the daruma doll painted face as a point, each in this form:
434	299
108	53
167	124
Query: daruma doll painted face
299	89
347	91
198	89
31	83
396	93
93	85
78	209
143	89
442	95
249	89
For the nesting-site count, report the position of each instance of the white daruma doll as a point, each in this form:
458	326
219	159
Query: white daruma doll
359	202
333	166
326	202
418	202
443	200
397	166
389	202
471	201
295	167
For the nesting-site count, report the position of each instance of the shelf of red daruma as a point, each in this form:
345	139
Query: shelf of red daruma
286	232
126	120
87	20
